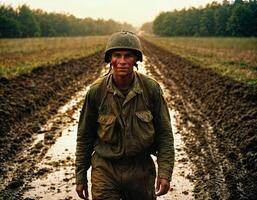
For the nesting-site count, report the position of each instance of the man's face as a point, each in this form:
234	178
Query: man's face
123	62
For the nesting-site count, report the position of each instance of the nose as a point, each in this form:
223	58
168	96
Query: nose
122	59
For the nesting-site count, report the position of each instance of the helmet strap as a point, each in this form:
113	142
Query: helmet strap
136	65
110	69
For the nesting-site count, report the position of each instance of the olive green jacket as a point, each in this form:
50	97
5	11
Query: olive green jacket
115	126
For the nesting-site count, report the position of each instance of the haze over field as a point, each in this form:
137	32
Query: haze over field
135	12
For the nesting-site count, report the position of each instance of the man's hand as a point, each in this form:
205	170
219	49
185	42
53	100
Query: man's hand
162	186
82	191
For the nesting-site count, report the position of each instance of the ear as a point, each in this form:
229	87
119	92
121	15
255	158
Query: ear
136	57
110	57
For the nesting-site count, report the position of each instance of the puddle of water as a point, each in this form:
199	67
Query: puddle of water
60	159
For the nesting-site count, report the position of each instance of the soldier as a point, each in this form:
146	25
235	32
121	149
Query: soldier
124	120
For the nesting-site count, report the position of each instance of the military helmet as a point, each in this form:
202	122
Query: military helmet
123	40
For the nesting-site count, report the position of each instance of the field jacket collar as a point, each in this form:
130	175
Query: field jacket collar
135	89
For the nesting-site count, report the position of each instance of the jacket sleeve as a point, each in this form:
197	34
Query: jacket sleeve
164	137
86	135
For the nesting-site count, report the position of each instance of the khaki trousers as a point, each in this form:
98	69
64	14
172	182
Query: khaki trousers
126	178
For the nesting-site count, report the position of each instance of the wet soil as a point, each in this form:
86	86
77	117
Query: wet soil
58	162
26	103
217	122
221	116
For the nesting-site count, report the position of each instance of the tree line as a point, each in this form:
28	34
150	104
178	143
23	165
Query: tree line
26	22
237	18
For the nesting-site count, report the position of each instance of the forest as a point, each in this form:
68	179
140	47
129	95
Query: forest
237	18
230	18
26	22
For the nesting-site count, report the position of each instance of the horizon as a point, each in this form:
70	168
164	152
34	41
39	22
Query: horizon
117	11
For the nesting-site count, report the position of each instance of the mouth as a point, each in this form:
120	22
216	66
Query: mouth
122	68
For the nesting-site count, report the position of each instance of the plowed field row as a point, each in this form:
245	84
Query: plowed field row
218	120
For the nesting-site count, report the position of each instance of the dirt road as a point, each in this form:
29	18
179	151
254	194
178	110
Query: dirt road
58	182
214	124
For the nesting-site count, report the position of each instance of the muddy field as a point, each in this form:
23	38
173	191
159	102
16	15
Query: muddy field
217	123
221	115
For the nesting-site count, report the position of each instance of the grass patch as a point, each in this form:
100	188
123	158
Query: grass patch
232	57
22	55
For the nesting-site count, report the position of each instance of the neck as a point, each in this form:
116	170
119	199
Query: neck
123	82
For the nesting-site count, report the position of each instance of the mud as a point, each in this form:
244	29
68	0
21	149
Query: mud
217	121
58	183
26	103
221	115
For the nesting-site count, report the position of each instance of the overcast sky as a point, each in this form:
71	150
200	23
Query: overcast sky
135	12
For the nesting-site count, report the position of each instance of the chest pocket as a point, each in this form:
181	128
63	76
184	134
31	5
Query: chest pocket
144	128
106	129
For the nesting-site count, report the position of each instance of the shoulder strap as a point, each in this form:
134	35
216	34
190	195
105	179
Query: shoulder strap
102	92
146	94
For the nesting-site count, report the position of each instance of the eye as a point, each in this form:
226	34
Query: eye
129	55
116	55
